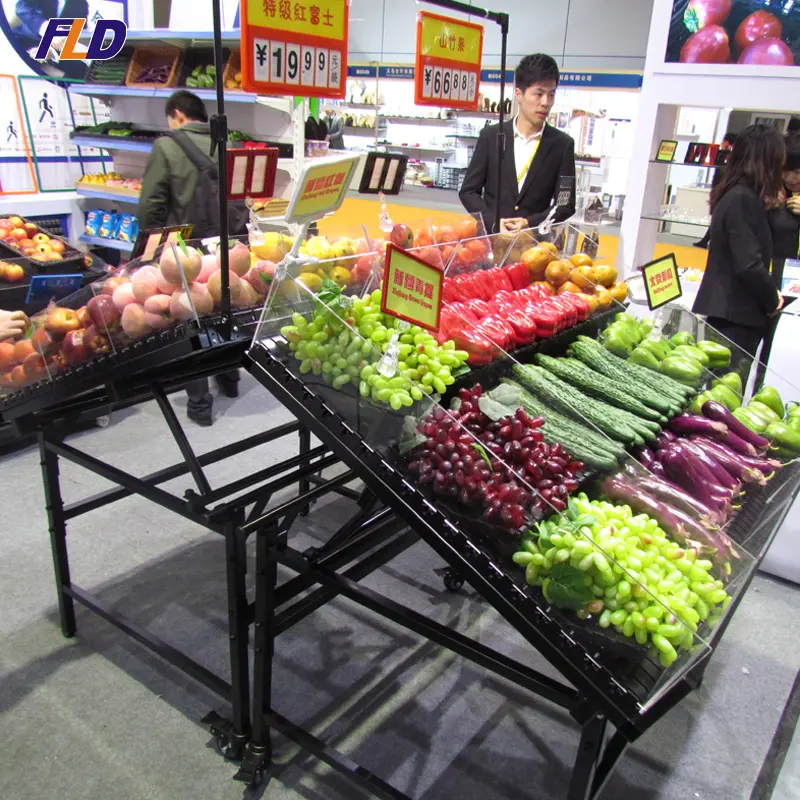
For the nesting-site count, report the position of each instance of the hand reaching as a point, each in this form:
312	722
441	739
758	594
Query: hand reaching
12	324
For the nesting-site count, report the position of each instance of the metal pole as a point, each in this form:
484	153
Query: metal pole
501	135
219	140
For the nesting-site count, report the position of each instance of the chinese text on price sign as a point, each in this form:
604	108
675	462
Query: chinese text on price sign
321	189
662	282
448	62
292	47
412	289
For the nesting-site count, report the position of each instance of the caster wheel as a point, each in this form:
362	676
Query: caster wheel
104	421
453	582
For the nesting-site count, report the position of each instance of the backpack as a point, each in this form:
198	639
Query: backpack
203	210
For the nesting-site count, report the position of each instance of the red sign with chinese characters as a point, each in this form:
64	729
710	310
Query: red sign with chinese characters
412	289
295	47
449	54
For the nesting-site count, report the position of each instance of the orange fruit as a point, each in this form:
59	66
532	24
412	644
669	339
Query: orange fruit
605	275
445	233
569	286
593	302
583	277
7	360
557	272
537	259
22	349
604	299
581	260
619	291
423	239
467	228
549	246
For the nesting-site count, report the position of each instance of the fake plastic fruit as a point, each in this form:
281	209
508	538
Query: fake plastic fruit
103	312
73	348
260	276
113	283
7	360
208	266
189	261
273	247
403	236
581	260
145	283
134	324
238	259
61	321
248	297
708	46
759	25
98	343
215	287
768	52
123	296
537	259
43	342
156	312
557	272
605	275
180	306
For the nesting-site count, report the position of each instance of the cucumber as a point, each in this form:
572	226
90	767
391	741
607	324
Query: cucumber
593	383
572	403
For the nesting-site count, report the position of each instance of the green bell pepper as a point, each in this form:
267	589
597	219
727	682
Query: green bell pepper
763	411
728	398
782	436
697	404
750	420
656	347
792	408
719	355
627	324
616	341
644	358
769	396
645	326
689	351
682	369
682	337
732	380
793	421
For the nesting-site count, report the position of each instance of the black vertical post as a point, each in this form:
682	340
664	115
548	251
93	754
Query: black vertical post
502	21
304	437
219	140
58	534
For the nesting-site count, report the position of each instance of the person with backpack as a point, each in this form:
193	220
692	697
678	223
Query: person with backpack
181	187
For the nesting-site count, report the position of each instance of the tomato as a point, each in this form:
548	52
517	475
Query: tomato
759	25
773	52
708	46
700	14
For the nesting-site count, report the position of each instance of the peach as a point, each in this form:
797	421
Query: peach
157	304
247	296
158	321
208	266
123	296
215	287
133	322
189	261
238	259
145	283
165	287
260	276
181	308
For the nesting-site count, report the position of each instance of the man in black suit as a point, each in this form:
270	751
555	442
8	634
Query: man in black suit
538	157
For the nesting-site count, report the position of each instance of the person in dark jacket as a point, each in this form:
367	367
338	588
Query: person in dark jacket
785	223
738	295
726	144
537	157
168	186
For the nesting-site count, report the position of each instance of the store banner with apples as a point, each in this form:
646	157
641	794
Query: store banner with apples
748	33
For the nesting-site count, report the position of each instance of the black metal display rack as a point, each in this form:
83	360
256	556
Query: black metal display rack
605	684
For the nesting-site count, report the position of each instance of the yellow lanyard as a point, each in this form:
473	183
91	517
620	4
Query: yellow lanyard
527	166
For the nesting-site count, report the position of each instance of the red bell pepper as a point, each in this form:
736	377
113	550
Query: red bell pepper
518	274
569	313
547	319
580	303
498	331
524	326
479	308
480	349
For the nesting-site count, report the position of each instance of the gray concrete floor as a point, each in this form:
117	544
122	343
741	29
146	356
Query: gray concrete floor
98	716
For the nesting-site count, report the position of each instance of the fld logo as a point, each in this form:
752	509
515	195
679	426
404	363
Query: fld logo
59	27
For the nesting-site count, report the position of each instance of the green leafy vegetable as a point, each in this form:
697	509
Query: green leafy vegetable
567	587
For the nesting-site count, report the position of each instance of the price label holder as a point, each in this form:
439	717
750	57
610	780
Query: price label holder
448	62
661	281
148	242
412	289
790	282
321	187
251	173
289	47
383	173
44	288
666	151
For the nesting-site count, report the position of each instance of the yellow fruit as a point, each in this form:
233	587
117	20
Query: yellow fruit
582	276
319	247
274	247
604	299
605	275
340	275
619	291
313	282
537	259
581	260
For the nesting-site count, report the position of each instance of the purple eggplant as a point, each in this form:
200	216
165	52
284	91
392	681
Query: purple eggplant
735	442
722	476
644	455
682	528
664	439
717	412
733	462
686	424
675	497
691	475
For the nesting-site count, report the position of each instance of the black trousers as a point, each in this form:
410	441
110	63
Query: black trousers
769	338
743	336
199	392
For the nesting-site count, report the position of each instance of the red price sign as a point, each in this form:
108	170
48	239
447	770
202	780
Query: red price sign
293	47
449	54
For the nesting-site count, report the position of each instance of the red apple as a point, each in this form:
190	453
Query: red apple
43	249
402	235
18	233
4	224
14	273
15	222
73	348
103	312
57	245
34	233
96	342
44	342
61	321
27	244
83	317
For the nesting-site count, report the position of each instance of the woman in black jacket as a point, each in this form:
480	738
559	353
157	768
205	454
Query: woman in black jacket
738	295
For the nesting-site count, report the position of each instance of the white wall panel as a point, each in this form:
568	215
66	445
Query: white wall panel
611	28
366	30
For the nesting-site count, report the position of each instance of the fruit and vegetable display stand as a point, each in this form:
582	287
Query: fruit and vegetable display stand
611	512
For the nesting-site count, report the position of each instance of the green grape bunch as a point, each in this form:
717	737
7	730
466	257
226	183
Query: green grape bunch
601	560
351	341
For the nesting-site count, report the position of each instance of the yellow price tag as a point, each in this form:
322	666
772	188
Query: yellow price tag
662	282
412	289
321	188
666	150
449	39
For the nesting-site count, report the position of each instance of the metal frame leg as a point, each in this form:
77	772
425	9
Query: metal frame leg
236	569
258	755
304	436
581	786
58	535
